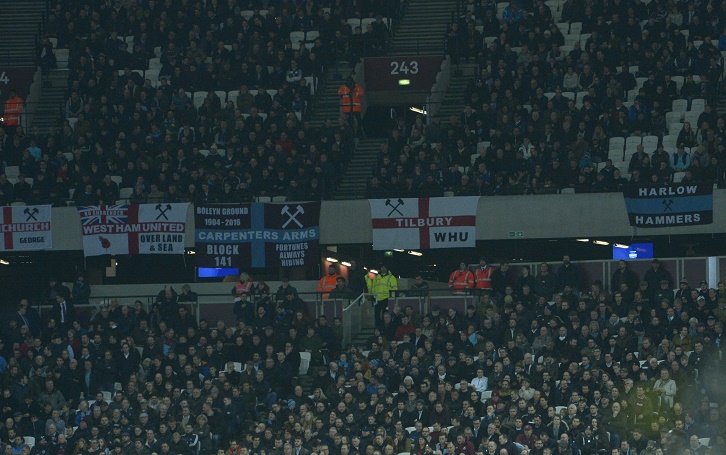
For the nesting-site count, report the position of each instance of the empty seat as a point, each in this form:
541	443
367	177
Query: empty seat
632	142
675	128
650	143
673	117
61	57
297	37
199	98
152	75
698	105
616	143
679	105
12	171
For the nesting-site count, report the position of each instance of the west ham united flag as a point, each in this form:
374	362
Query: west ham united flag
133	229
424	223
677	204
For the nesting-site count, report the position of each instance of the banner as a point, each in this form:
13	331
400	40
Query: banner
442	222
25	228
257	235
677	204
133	229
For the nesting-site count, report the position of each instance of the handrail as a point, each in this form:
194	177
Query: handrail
353	317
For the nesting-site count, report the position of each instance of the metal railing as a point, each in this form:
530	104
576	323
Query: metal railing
214	307
423	301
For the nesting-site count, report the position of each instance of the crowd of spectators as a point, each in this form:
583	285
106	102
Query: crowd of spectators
122	120
536	366
555	82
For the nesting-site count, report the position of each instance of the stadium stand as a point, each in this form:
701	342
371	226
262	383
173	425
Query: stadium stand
148	77
555	82
210	101
523	362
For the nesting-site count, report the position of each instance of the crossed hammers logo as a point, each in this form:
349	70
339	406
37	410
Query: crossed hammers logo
667	203
31	213
394	207
162	211
292	217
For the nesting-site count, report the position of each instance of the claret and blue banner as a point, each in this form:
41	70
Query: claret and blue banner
257	235
677	204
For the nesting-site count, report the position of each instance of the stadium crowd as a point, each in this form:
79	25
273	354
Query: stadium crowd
132	108
557	81
534	366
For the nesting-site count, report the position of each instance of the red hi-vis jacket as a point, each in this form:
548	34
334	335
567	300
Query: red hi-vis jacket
351	100
461	281
13	109
483	277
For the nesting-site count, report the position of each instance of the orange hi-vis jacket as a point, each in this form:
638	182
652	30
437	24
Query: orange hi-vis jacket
327	284
461	281
13	108
483	277
351	101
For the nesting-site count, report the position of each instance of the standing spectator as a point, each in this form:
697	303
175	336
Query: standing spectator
328	282
63	311
623	275
545	284
357	278
13	109
351	99
483	275
461	280
568	275
655	275
81	290
381	285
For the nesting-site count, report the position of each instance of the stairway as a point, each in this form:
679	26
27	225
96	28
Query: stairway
20	23
52	100
327	101
423	28
353	185
453	102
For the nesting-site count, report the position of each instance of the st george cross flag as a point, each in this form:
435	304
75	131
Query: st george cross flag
25	228
133	229
424	223
677	204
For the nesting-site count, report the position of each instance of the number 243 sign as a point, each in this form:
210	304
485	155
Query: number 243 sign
384	73
18	79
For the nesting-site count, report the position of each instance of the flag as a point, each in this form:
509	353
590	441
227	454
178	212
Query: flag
424	223
257	235
676	204
133	229
25	228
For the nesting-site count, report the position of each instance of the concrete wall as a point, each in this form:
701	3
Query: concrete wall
545	216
